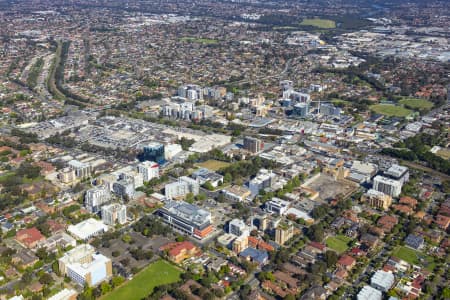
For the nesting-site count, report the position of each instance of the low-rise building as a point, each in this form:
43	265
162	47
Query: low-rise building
236	193
382	280
87	229
66	294
369	293
29	237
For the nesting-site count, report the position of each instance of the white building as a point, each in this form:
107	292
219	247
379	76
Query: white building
149	170
82	170
182	187
87	229
277	206
369	293
238	228
382	280
84	266
65	294
172	150
96	197
387	186
114	213
264	179
398	172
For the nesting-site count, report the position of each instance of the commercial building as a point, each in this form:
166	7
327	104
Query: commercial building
96	197
369	293
283	233
264	179
87	229
301	110
204	175
182	187
252	144
149	170
236	193
238	228
377	199
114	213
84	266
81	169
277	206
387	186
187	218
398	172
382	280
153	152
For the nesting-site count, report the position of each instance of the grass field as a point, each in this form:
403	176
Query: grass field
391	110
418	104
337	101
338	243
156	274
319	23
213	165
199	40
414	257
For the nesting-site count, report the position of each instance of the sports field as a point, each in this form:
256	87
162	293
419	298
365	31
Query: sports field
319	23
212	164
338	243
391	110
418	104
156	274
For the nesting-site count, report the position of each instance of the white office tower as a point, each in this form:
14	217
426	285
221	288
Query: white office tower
114	213
182	187
96	197
387	186
149	170
263	180
238	228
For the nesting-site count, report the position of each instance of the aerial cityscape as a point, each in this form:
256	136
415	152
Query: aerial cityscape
224	149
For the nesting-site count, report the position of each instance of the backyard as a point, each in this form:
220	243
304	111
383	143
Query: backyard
414	257
338	243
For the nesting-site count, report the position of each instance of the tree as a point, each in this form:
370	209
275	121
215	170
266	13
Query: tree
208	185
331	258
117	280
105	287
45	279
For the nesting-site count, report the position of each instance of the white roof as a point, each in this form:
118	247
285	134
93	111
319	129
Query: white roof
87	228
369	293
63	295
383	279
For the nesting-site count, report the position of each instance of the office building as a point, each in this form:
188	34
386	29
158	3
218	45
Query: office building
87	229
277	206
252	144
182	187
96	197
377	199
283	233
382	280
264	179
82	170
149	170
187	218
238	228
124	188
369	293
387	186
301	110
153	152
398	172
84	266
114	213
328	109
